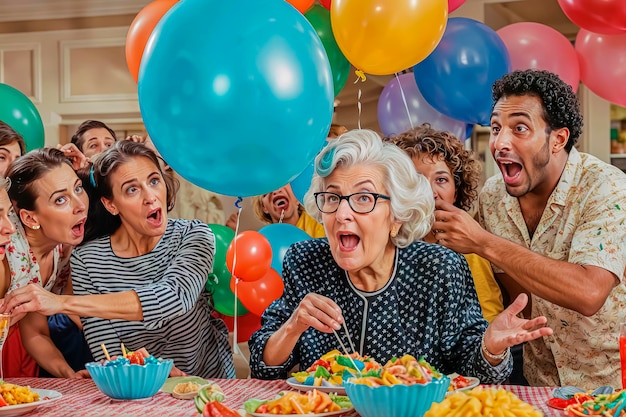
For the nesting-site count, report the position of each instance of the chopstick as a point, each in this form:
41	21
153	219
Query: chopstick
345	328
106	353
356	368
123	350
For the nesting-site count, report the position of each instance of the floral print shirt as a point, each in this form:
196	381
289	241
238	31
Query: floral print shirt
24	266
584	223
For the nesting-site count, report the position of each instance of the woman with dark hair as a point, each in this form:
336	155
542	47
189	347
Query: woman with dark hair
139	277
50	209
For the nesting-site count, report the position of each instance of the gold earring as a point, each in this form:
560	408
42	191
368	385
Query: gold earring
36	227
394	232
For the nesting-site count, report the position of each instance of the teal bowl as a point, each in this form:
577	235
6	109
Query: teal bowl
396	400
130	382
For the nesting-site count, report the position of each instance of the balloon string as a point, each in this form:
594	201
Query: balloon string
282	216
406	106
236	349
360	77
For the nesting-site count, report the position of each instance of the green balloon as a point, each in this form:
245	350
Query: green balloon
20	113
218	285
223	236
319	17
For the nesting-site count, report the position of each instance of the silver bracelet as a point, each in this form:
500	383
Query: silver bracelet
501	357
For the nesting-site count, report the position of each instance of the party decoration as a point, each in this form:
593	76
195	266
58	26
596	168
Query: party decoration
254	255
454	4
247	324
392	112
139	32
224	299
20	113
301	184
223	236
319	17
239	106
281	236
535	46
301	5
456	78
257	295
387	36
602	68
606	17
326	3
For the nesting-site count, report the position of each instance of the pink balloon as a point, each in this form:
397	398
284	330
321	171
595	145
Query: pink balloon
536	46
392	113
606	16
454	4
603	64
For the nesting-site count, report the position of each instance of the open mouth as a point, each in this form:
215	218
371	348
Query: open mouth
155	217
511	171
281	203
348	241
78	230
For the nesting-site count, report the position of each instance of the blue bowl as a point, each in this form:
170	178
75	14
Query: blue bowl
130	382
396	400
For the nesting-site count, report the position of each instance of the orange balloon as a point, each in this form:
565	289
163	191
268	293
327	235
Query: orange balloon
254	255
257	295
387	36
140	30
301	5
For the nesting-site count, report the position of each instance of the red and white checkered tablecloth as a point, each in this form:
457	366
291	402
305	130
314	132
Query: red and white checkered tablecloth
82	398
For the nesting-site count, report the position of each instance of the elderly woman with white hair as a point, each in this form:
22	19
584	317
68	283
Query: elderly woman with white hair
394	293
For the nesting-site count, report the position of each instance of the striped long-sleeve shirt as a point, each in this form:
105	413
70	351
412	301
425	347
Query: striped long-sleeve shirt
170	283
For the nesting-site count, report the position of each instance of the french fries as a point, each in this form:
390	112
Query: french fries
483	402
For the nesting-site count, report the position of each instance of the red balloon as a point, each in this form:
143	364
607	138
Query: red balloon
607	16
246	325
140	30
325	3
602	68
254	255
535	46
454	4
257	295
301	5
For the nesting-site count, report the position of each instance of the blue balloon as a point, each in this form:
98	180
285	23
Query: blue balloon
301	184
456	77
237	96
281	236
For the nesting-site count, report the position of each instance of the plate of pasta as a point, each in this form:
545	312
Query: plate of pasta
43	396
313	403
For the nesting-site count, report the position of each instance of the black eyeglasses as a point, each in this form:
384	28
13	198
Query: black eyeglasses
361	203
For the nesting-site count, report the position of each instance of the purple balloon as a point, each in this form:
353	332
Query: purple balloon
392	113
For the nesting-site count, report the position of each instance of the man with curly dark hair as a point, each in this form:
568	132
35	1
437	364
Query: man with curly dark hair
454	176
554	227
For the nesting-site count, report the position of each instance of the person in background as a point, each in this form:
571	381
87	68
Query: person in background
552	225
282	206
50	209
12	146
392	292
92	137
454	175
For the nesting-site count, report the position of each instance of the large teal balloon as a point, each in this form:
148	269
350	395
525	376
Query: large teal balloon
319	17
240	103
20	113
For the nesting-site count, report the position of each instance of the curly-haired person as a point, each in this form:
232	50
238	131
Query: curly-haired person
454	176
552	226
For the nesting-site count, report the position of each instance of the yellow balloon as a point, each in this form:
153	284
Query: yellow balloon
382	37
